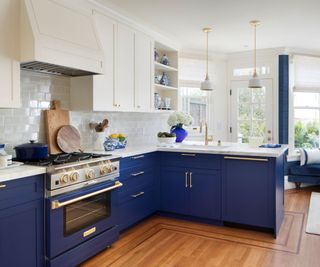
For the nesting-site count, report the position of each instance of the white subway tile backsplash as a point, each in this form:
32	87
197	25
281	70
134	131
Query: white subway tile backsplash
18	126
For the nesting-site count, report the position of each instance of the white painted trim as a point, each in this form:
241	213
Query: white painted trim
265	57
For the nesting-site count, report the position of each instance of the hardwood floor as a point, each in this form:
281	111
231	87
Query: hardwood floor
161	241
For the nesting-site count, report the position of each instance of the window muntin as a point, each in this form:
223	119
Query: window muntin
195	102
251	113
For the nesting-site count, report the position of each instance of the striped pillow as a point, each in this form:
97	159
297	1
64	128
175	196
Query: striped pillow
309	156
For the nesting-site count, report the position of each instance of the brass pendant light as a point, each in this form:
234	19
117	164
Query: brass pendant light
255	82
207	85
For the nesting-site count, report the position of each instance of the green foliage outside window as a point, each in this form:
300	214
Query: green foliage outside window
306	135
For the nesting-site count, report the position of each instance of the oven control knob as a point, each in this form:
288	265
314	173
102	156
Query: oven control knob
74	176
64	178
110	169
90	174
103	169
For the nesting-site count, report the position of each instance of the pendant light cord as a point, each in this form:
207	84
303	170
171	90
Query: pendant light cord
207	52
255	51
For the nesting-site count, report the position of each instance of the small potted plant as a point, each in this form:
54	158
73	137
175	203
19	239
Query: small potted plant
177	120
166	138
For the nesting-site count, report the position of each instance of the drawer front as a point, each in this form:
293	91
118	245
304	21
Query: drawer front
137	179
137	160
137	208
21	191
191	160
132	188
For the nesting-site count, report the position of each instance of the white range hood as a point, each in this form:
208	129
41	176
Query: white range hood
59	38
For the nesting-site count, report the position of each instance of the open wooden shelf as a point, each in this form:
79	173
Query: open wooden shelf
164	87
162	67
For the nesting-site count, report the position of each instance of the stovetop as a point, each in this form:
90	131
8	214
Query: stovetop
65	158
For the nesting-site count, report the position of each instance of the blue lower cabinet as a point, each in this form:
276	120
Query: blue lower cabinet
138	206
248	191
139	195
193	192
204	198
173	190
22	225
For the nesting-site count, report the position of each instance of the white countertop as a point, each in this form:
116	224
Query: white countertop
20	172
186	147
199	147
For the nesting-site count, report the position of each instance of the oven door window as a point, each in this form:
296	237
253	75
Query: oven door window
86	212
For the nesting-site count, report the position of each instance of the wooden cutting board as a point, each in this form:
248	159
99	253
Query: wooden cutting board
55	118
68	139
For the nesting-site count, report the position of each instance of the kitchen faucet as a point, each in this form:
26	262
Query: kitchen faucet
207	138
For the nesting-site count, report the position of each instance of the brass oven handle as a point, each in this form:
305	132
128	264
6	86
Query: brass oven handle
138	195
190	179
3	186
251	159
56	204
186	179
137	174
188	155
138	157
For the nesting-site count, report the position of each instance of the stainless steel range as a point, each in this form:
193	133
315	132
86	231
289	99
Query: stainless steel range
81	214
77	171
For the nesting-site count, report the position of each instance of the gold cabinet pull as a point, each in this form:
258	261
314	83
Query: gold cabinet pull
250	159
3	186
190	179
138	195
186	179
138	157
188	155
89	232
137	174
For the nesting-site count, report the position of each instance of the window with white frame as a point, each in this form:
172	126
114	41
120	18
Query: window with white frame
306	101
263	70
194	101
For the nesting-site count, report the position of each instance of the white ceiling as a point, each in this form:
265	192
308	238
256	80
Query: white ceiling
285	23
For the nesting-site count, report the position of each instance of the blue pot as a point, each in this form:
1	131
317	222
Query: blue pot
181	133
31	151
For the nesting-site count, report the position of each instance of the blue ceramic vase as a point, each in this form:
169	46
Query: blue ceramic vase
180	133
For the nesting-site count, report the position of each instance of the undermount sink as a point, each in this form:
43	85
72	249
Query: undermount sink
203	146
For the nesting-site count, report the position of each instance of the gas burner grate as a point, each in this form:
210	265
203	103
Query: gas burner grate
63	158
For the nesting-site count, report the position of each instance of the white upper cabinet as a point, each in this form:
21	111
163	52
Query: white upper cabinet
124	93
127	83
9	54
143	71
103	94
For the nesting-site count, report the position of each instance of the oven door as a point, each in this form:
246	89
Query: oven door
75	217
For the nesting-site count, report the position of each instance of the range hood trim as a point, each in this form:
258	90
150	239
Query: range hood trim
48	50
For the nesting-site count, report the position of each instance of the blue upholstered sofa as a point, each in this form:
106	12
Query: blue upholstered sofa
309	174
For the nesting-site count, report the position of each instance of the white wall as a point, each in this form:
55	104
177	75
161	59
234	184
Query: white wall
18	126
